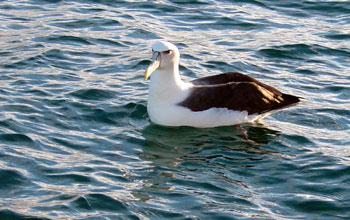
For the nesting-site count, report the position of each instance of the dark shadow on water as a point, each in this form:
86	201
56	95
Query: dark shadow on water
168	144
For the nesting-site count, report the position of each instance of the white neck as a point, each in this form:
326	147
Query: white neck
166	85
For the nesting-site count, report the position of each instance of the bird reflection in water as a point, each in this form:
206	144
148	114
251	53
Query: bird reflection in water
169	144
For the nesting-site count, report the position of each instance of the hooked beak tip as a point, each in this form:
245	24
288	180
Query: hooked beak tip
153	66
147	74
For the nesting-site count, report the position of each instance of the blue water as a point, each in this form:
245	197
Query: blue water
76	141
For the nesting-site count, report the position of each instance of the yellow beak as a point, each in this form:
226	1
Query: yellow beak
154	65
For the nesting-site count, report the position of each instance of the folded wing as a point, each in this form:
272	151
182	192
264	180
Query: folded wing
236	91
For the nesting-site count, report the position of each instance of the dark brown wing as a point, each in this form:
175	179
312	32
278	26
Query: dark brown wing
231	77
238	96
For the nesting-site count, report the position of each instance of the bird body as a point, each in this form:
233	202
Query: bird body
220	100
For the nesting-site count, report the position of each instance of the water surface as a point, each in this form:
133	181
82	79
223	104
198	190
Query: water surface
76	141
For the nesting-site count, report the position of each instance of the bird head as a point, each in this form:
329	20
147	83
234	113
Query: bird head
165	56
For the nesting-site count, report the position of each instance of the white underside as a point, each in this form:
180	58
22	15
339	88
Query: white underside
180	116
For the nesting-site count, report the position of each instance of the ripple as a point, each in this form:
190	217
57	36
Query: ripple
338	36
77	143
90	23
10	179
108	42
140	33
68	143
8	214
296	51
100	202
312	205
93	94
64	39
16	139
69	178
232	23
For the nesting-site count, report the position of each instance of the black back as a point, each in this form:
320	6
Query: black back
236	91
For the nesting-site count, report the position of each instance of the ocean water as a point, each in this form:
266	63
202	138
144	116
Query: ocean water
76	141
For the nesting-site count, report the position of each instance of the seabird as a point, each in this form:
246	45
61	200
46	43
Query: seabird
220	100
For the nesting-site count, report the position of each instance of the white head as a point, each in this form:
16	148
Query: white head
165	56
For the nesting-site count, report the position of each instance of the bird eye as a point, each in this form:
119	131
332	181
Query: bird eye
167	52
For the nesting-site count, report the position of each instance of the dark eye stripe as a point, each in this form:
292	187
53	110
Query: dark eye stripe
167	51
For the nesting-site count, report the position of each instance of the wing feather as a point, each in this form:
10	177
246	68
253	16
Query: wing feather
225	78
239	96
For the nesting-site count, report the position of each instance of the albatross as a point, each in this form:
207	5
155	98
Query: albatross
220	100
